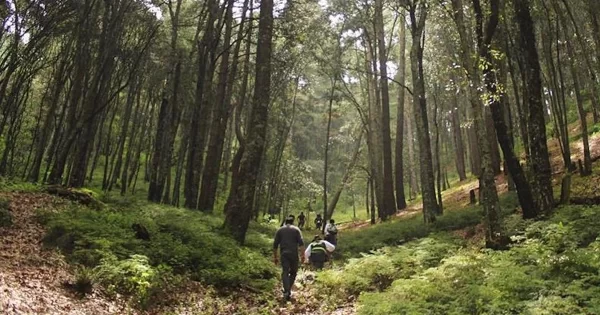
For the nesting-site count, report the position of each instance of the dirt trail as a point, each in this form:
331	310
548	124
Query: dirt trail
32	280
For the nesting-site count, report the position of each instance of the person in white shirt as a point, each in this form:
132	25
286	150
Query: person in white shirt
318	251
331	232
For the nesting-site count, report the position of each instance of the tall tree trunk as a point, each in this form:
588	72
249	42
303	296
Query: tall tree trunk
559	111
237	215
346	176
399	174
98	97
437	157
487	184
412	154
587	158
58	84
326	153
221	112
389	201
201	112
459	149
374	141
540	164
430	206
131	97
497	104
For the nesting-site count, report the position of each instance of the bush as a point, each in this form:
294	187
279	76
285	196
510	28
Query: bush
84	280
133	276
183	241
552	269
376	272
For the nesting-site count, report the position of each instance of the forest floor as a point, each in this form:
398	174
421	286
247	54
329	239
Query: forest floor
37	280
34	280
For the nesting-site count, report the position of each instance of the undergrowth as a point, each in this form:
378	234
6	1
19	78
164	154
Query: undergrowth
141	249
552	267
396	232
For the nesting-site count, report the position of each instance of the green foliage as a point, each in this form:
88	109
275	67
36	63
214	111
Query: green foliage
15	185
353	243
376	272
84	280
133	276
552	268
182	241
6	218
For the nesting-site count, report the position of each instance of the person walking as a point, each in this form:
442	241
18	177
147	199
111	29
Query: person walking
318	221
288	239
301	220
331	232
318	252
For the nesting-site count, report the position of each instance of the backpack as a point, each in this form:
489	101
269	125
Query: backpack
332	230
318	252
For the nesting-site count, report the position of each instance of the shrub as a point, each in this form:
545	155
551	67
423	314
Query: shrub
133	276
553	268
84	280
376	272
187	242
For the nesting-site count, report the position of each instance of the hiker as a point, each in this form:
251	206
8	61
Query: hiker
301	220
331	232
318	251
289	239
318	221
291	216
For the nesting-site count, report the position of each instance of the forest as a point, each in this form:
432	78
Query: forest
150	150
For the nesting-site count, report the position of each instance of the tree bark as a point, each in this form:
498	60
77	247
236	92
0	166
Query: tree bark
237	215
587	158
201	110
389	202
221	113
459	149
326	153
430	206
399	174
540	164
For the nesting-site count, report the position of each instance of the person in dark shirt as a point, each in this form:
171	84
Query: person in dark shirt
289	241
318	221
301	220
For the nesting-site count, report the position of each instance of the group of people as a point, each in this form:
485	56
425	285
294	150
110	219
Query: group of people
289	241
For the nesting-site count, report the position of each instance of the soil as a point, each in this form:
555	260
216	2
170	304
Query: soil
34	280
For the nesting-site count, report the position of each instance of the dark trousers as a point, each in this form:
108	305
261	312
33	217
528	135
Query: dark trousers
318	264
331	238
289	270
